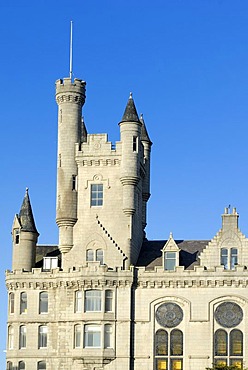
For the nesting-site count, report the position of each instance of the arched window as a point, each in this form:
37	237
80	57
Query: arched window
89	255
78	301
228	348
21	365
169	349
11	302
41	365
22	336
77	336
23	302
93	300
99	256
234	257
43	302
224	258
9	365
10	337
42	336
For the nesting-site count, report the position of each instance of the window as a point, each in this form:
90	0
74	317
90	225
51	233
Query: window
92	300
50	263
108	336
9	365
78	301
99	256
22	337
43	307
108	300
169	350
21	365
228	348
96	195
42	336
89	255
92	336
229	258
74	182
11	302
23	302
17	236
135	144
10	337
77	336
169	260
41	365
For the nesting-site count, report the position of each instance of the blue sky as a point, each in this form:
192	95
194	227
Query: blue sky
186	62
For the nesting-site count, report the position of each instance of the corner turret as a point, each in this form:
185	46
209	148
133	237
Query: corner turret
24	236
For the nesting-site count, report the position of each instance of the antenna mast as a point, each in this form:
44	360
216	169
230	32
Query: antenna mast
71	53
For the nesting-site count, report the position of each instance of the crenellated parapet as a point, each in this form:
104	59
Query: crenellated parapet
68	91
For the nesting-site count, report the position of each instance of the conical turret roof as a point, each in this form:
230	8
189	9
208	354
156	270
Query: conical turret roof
25	216
130	114
144	133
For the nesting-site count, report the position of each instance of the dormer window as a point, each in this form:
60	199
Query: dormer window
229	258
169	260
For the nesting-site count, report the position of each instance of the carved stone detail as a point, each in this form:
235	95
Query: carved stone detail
169	315
228	314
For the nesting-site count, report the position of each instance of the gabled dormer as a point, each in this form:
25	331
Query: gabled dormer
170	254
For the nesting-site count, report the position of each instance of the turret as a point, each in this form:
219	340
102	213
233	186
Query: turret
70	97
146	142
24	237
130	133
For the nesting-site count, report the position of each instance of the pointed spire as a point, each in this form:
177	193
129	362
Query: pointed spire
25	216
144	133
83	131
130	114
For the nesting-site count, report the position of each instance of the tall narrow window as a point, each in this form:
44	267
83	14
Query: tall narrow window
10	337
96	195
99	256
74	182
93	300
23	302
43	302
108	336
21	365
92	336
169	350
224	258
42	336
161	343
89	255
9	365
77	336
17	236
41	365
22	336
228	348
169	260
78	301
11	302
108	300
234	257
135	144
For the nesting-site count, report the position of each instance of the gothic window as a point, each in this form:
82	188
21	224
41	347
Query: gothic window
92	335
228	347
23	302
96	198
108	300
22	336
99	256
41	365
43	304
42	336
92	300
21	365
10	337
89	255
11	302
78	301
77	336
169	349
169	260
229	258
108	336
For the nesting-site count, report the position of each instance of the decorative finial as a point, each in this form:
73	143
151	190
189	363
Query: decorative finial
171	235
131	95
141	116
27	190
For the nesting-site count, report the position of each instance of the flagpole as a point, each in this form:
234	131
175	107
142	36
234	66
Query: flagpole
71	53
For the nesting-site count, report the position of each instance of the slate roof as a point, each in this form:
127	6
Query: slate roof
130	114
46	251
151	255
25	216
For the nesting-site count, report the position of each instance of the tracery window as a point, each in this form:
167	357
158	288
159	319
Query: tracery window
169	349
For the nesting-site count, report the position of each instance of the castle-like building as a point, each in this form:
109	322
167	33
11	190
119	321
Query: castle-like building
106	297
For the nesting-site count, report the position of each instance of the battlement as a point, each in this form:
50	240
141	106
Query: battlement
67	85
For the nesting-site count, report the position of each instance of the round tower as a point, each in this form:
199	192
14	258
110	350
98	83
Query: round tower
130	131
24	236
70	97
